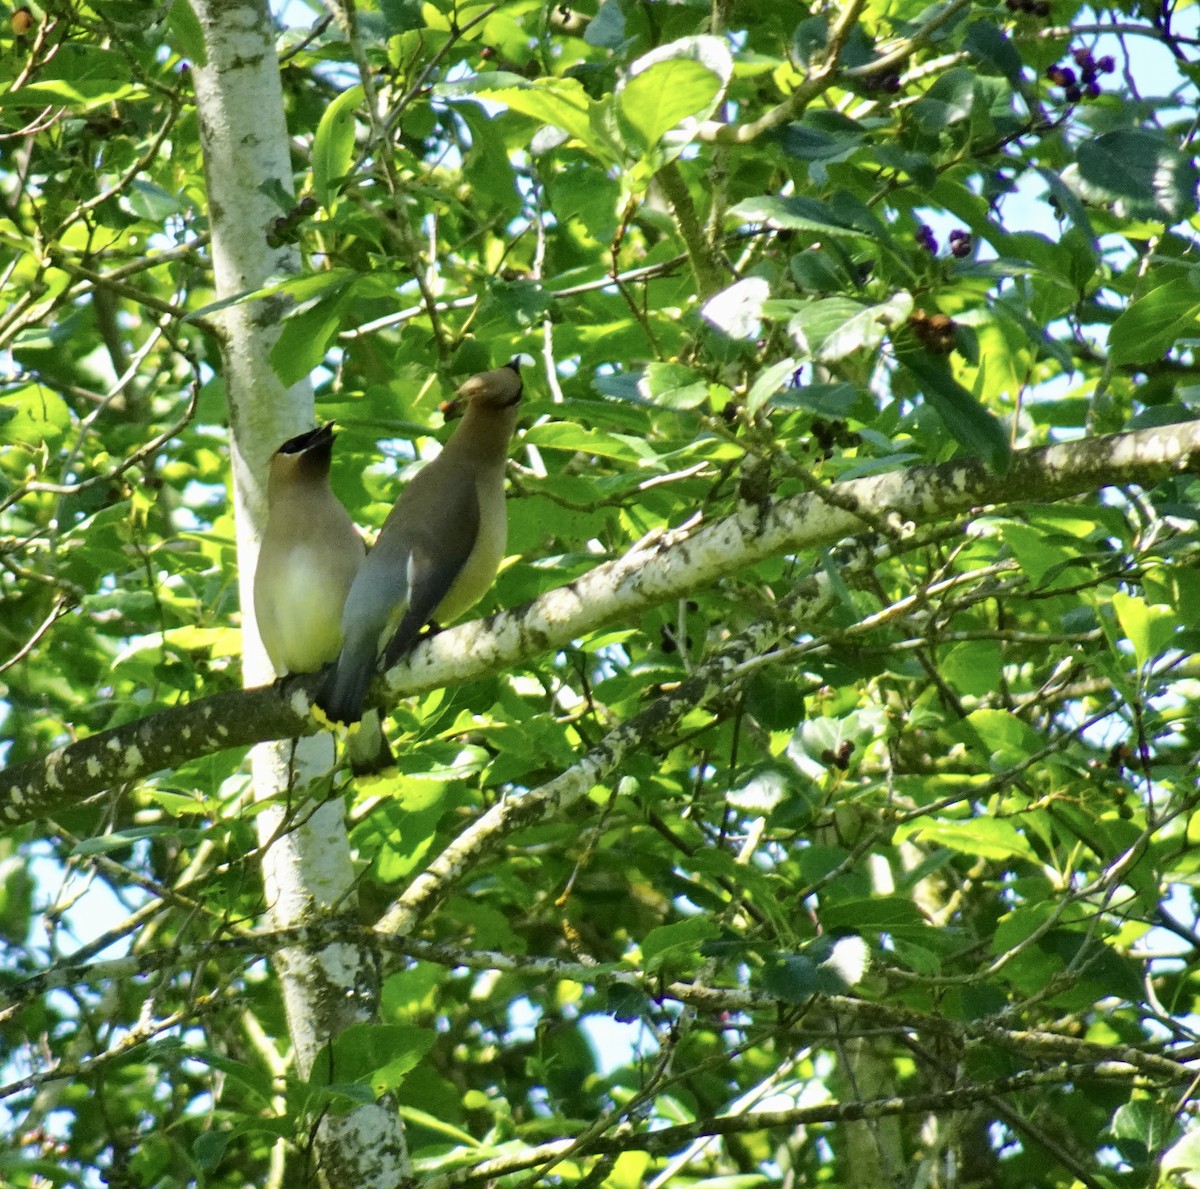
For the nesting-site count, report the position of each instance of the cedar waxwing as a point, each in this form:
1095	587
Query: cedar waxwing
309	556
440	547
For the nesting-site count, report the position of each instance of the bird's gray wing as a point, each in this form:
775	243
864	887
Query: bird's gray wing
442	537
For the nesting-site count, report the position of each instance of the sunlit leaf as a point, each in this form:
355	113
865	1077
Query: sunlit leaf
333	145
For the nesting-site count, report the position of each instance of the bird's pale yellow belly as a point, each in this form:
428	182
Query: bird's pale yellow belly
477	576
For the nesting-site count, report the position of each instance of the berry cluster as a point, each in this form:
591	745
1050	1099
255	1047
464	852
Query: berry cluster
935	332
829	434
286	228
1037	8
960	241
887	84
1085	84
840	758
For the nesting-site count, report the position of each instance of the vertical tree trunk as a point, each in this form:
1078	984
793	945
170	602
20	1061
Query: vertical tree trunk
306	869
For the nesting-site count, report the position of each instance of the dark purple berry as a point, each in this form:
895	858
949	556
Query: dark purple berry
1091	90
926	239
1106	65
961	247
1083	57
1072	94
1056	75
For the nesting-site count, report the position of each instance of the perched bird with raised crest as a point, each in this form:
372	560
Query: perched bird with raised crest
440	547
307	561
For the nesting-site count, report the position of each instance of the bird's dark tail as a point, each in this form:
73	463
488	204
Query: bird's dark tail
344	691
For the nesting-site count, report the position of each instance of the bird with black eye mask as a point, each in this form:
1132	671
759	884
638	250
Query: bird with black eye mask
440	547
307	562
308	559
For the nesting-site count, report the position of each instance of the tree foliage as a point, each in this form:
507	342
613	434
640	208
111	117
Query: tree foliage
868	863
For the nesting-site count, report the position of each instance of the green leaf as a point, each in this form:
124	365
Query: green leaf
768	383
683	936
987	838
972	667
659	99
796	213
988	43
840	960
81	94
33	413
628	1004
209	1147
1143	168
884	914
402	16
830	329
1100	964
750	1180
1016	926
1183	1157
737	311
971	425
793	978
561	102
820	269
1068	201
1002	738
377	1054
674	386
1039	554
949	101
918	166
852	211
1153	323
120	839
147	201
606	30
563	435
304	340
1146	1122
815	144
333	145
186	33
681	81
1149	627
17	887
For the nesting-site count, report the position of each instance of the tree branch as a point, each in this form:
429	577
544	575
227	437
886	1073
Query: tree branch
670	1139
700	253
1164	1061
617	590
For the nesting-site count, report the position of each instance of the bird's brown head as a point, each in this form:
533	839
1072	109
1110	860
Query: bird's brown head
304	457
501	388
